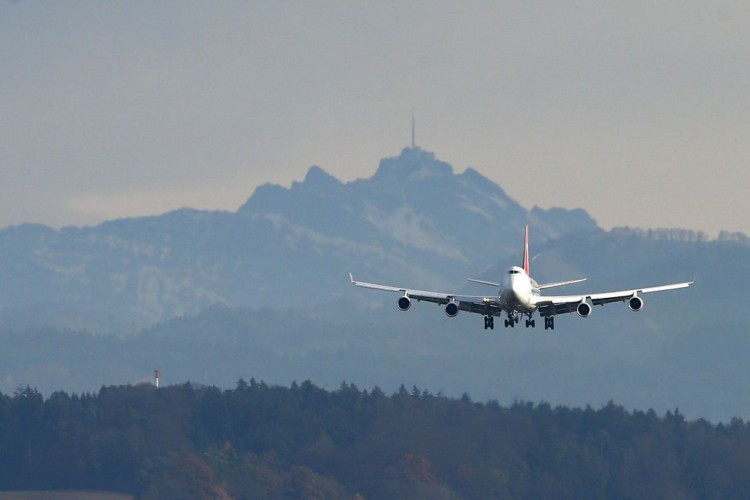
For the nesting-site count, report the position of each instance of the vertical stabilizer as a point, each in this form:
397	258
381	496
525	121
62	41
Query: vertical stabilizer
526	252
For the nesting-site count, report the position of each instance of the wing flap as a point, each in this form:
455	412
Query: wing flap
551	309
436	297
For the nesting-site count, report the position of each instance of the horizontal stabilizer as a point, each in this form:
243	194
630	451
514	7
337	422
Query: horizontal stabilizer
481	282
561	283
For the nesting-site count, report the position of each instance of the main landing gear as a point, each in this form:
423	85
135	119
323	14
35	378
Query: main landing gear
489	322
514	318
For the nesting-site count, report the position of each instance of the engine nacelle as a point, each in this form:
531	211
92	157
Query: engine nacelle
584	309
635	303
404	303
451	309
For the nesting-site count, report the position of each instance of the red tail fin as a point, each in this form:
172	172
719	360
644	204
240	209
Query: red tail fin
526	252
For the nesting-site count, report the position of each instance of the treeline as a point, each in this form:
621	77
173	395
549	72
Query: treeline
678	234
674	234
261	441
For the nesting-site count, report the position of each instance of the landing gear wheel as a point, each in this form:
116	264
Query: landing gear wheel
549	323
489	322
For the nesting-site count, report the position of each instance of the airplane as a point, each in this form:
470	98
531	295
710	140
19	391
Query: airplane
519	295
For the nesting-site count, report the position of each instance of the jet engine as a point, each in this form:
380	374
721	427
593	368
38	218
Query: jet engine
635	303
451	309
404	303
584	309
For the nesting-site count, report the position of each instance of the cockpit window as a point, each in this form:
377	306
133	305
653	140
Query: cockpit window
513	271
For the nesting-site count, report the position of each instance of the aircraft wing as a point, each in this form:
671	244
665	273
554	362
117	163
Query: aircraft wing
483	304
561	304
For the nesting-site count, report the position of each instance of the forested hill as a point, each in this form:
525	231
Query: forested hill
260	441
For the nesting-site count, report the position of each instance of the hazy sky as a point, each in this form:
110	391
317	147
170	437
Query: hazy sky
638	112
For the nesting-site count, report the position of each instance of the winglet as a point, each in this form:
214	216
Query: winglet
351	277
526	266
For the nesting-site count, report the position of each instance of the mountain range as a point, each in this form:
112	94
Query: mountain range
414	220
263	292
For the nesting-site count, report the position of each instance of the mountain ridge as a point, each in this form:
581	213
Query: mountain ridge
414	218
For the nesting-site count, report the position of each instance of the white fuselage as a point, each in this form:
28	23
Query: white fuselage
518	291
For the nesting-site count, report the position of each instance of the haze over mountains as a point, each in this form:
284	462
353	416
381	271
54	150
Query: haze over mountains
263	292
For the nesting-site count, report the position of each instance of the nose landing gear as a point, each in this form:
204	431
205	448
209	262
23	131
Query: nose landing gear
512	320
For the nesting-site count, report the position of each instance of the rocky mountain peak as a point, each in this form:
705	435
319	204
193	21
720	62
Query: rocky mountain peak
317	178
412	164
